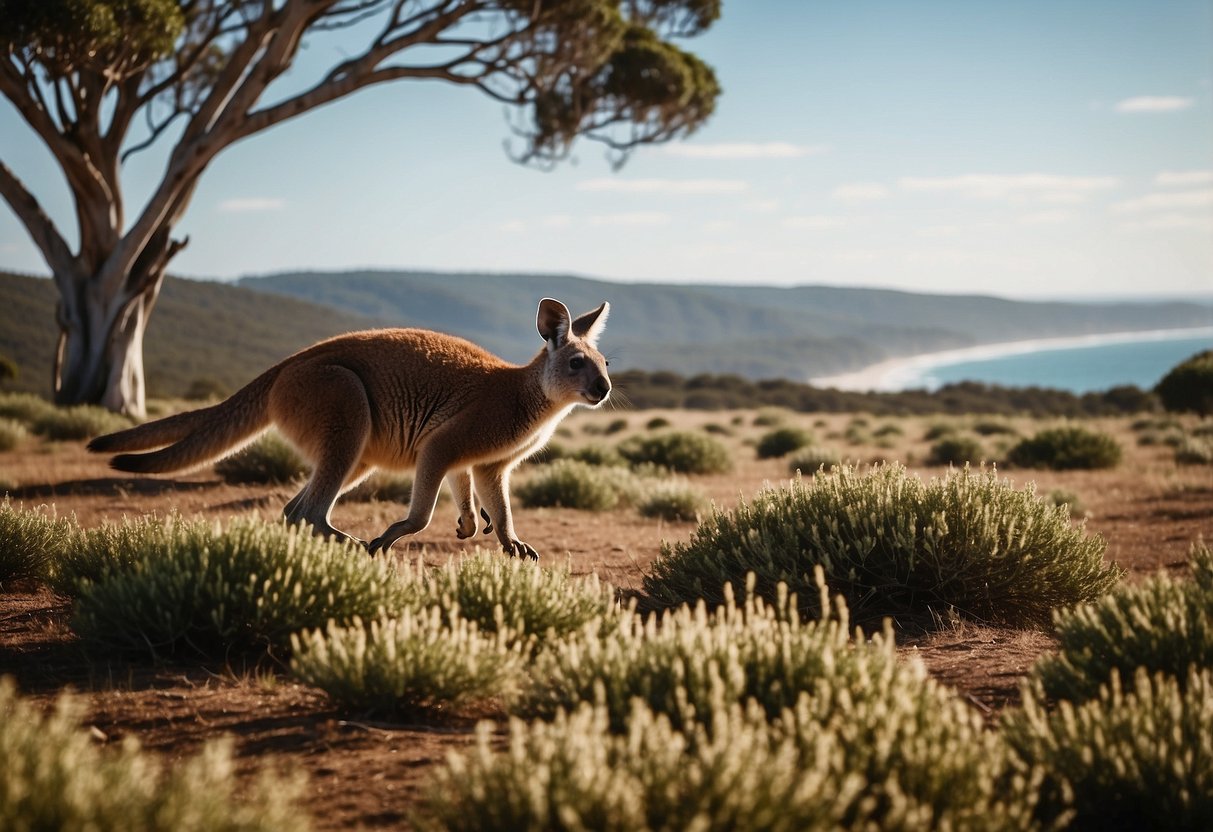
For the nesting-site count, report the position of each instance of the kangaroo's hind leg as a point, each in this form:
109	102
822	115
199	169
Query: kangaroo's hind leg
324	410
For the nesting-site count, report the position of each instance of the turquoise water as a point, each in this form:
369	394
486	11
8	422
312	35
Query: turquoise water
1077	369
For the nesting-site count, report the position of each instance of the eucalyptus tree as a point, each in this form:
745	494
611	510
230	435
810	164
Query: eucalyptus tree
100	80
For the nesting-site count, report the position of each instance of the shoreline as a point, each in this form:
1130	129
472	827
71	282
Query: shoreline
895	374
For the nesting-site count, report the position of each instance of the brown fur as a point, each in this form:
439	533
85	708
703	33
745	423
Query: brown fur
395	398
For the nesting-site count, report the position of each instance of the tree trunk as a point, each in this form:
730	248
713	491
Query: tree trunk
100	354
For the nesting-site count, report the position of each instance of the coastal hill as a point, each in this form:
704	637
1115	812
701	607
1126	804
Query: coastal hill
756	332
228	333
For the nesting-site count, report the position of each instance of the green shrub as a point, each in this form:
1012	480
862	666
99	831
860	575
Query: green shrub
1189	385
993	427
92	555
673	501
30	541
12	434
571	484
956	450
783	441
889	749
596	454
770	417
1066	448
681	451
1123	760
1069	499
718	430
271	460
55	776
938	431
1162	625
25	408
810	460
384	487
419	660
245	587
1193	451
657	423
82	421
615	426
532	602
888	430
892	545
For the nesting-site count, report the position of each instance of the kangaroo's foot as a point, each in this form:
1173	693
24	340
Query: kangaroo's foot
517	549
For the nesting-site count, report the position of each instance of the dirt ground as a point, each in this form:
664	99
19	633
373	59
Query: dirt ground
364	774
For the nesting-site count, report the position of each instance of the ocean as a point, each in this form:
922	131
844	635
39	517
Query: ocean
1079	369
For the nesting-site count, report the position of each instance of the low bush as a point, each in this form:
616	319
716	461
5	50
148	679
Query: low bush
530	601
993	427
82	421
892	545
1163	625
30	541
956	450
595	454
1067	498
568	483
25	408
1122	760
246	587
12	434
93	555
810	460
939	430
1066	448
615	426
673	501
1194	451
782	441
384	487
55	776
271	460
657	423
419	660
769	417
681	451
1189	385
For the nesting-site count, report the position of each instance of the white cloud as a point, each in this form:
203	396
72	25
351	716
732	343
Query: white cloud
813	222
1183	178
1000	186
938	231
243	205
861	192
1154	104
663	186
744	150
761	206
1171	221
513	226
1047	218
1166	201
631	218
556	221
719	225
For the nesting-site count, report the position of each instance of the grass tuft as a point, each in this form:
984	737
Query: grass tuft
30	541
271	460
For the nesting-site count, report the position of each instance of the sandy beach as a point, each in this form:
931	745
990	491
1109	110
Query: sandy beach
906	372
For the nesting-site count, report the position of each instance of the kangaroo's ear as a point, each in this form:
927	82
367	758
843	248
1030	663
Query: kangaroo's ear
553	322
590	325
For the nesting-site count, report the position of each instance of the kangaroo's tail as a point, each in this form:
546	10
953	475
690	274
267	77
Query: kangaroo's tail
194	438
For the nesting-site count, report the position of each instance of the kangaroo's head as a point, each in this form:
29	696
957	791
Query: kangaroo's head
574	370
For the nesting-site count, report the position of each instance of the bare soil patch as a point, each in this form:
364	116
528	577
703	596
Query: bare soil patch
365	773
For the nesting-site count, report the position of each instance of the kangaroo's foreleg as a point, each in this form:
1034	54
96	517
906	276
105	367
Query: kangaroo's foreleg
493	486
460	483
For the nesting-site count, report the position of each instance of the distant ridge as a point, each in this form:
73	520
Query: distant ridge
757	332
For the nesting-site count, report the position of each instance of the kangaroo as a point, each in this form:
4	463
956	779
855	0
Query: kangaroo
396	398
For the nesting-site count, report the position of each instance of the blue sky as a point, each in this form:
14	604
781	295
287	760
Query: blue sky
1029	149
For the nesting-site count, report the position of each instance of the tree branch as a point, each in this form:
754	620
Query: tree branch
39	226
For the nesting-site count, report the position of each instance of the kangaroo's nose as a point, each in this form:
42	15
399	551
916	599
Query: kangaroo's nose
602	387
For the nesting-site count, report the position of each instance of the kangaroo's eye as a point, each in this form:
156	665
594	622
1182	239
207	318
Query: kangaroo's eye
576	363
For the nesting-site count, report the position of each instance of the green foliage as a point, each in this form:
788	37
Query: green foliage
657	423
82	421
526	600
93	555
892	545
1194	451
25	408
956	450
56	777
1123	760
770	417
418	660
596	454
682	451
269	460
783	441
1066	448
12	434
673	501
30	541
568	483
1163	625
1068	498
810	460
993	427
1189	385
68	35
245	587
939	430
615	426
